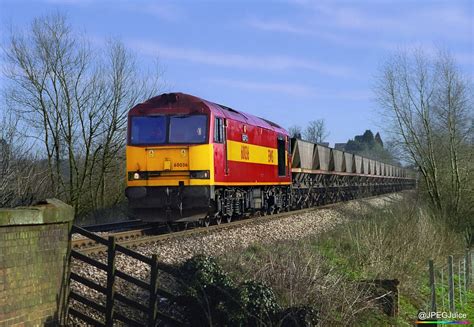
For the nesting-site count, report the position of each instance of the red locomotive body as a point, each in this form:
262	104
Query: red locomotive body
188	157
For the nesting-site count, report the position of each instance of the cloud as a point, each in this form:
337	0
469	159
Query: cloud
293	89
273	62
164	10
381	25
306	30
70	2
286	88
351	18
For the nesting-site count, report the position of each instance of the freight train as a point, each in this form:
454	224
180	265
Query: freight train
189	159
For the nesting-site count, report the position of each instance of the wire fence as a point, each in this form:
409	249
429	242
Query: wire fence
451	284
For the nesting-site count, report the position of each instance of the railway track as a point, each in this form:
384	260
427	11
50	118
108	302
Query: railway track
117	226
145	236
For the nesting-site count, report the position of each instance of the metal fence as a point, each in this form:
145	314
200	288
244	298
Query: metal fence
450	283
111	316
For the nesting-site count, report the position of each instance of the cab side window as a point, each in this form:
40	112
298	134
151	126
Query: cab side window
219	130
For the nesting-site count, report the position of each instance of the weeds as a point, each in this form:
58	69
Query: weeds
325	271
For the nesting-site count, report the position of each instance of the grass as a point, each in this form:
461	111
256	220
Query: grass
326	271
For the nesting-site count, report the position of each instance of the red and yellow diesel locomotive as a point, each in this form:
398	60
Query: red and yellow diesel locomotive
189	159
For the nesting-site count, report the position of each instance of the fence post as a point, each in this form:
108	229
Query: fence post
467	265
471	266
153	290
442	288
109	312
461	305
432	285
451	284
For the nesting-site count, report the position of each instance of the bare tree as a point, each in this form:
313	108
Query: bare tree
316	131
74	99
22	179
295	131
427	103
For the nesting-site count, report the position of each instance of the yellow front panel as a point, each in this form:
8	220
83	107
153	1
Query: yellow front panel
173	163
201	157
251	153
136	158
167	158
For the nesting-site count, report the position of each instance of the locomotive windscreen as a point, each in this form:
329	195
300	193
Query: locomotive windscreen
154	130
148	130
188	129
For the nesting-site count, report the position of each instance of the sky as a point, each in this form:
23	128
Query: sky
288	61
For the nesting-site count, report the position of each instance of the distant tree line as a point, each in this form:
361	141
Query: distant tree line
64	114
316	131
370	146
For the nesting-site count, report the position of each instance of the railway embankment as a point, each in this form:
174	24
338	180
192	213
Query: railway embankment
293	227
232	242
372	270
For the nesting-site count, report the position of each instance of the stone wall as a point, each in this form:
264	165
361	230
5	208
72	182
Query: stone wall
34	244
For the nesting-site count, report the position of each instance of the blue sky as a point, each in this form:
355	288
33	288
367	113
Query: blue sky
288	61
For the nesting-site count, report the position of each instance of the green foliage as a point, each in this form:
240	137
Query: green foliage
346	265
299	316
204	271
259	301
211	297
325	273
370	146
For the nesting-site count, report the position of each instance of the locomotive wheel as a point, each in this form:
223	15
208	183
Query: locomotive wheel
205	222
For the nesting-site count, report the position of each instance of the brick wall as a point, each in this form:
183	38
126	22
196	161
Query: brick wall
34	244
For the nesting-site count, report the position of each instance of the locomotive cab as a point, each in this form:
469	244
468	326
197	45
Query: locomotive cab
190	159
169	160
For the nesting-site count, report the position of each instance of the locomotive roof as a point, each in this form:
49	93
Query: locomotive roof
175	100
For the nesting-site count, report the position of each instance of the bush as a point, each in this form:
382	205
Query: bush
259	301
303	316
209	297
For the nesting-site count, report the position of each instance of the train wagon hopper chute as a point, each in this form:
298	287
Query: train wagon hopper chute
372	167
323	157
303	153
359	166
366	166
338	160
349	161
377	168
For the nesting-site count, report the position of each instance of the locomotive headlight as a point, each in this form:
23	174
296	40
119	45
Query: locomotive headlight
199	174
135	176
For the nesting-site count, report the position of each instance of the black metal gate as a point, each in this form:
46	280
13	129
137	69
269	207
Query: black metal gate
109	311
